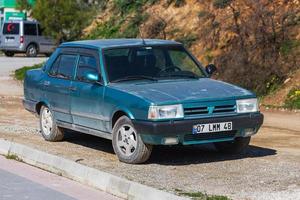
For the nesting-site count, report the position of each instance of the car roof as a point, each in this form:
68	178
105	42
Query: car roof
115	43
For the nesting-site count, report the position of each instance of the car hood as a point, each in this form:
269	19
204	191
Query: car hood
180	91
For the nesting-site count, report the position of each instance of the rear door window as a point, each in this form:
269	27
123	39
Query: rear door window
11	28
64	66
30	29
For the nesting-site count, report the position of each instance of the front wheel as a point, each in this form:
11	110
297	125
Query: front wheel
128	144
50	131
236	146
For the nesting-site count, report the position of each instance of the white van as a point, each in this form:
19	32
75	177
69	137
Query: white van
25	37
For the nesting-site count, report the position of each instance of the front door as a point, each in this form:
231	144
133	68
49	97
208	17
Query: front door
87	97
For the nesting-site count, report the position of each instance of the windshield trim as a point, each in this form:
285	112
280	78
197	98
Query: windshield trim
198	64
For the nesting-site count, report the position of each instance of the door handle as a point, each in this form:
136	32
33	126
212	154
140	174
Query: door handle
72	88
46	83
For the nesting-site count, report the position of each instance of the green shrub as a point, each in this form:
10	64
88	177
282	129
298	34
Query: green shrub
221	3
203	13
187	40
177	3
126	7
108	29
287	46
132	28
201	196
20	73
126	24
293	99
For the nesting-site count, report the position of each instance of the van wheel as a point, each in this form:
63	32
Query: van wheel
128	144
9	53
49	129
31	51
239	145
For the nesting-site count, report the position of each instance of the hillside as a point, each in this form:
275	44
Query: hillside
255	44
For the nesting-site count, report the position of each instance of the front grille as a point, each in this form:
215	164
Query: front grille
205	110
196	111
209	136
224	109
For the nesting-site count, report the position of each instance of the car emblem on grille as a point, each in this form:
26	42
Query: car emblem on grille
210	109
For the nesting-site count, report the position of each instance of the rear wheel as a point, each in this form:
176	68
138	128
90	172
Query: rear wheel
9	53
128	144
49	129
31	50
239	145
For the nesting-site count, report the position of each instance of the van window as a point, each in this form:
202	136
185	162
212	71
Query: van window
30	29
11	28
40	30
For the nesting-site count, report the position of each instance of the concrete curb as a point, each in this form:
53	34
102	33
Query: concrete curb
104	181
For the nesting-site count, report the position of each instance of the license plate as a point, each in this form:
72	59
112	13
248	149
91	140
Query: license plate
9	40
212	127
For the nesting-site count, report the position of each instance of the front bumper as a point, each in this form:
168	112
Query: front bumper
157	132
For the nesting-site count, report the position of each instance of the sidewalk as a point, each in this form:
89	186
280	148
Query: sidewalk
21	181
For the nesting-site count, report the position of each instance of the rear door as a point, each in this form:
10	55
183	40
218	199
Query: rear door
57	86
11	35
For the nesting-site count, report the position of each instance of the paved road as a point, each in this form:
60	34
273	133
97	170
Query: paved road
19	181
10	64
7	66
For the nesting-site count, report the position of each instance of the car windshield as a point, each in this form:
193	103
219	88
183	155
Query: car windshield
150	63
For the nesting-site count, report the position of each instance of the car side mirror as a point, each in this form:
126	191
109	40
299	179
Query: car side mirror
210	69
92	77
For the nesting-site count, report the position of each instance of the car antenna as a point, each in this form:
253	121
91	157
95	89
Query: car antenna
144	42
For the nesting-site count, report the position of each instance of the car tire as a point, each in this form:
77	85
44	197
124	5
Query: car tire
32	50
9	53
128	144
239	145
49	130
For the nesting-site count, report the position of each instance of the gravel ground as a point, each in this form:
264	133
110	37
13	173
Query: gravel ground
269	170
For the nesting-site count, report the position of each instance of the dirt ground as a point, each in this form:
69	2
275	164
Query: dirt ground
269	170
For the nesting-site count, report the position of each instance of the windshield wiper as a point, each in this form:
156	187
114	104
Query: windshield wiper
135	77
181	76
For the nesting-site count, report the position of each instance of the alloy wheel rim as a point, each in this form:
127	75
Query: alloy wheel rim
32	51
47	121
127	140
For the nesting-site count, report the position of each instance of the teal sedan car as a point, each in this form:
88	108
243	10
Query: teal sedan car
139	93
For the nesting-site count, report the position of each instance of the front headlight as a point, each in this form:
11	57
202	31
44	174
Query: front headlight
247	105
165	112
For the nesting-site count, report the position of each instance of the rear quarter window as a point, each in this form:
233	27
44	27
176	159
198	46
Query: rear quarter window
11	28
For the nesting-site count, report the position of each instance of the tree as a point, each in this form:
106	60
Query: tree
256	41
64	20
